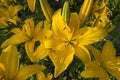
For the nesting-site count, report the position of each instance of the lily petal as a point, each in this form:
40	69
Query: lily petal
74	21
93	70
60	27
17	9
62	57
2	70
11	61
37	33
92	35
13	21
15	39
108	51
83	54
41	32
51	43
29	47
31	4
40	53
42	76
28	27
113	67
96	53
27	71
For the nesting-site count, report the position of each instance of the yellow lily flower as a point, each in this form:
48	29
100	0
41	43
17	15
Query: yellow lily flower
101	13
101	8
9	66
105	62
29	34
9	14
42	76
13	11
69	40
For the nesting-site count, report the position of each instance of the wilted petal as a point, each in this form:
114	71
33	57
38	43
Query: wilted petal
31	4
11	61
62	57
28	71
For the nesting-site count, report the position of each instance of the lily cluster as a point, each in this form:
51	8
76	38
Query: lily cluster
62	36
9	13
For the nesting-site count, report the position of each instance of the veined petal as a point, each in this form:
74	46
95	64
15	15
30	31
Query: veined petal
27	71
28	27
11	61
31	4
83	54
62	57
93	70
15	39
40	53
60	27
108	51
29	47
92	35
113	67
